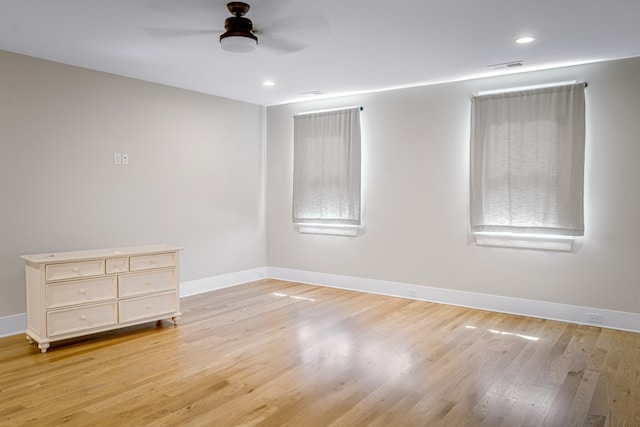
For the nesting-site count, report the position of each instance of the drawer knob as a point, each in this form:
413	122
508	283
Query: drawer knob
83	317
148	306
75	269
82	291
153	261
147	283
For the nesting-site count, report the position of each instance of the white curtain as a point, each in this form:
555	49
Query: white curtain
326	168
527	161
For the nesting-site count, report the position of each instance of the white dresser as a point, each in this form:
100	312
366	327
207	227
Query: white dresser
70	294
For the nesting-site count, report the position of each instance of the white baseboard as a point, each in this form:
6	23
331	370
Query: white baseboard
13	325
546	310
207	284
16	324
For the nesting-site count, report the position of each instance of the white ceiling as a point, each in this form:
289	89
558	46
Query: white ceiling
352	46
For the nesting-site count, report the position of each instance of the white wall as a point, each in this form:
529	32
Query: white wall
194	179
415	161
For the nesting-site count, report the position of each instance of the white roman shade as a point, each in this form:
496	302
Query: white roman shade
326	168
527	161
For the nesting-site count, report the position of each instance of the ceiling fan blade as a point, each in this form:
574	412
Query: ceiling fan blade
270	10
190	10
275	32
315	24
279	44
166	33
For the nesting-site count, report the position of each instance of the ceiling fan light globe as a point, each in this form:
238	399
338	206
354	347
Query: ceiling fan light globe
238	44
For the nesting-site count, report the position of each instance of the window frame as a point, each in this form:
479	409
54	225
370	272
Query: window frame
335	178
534	236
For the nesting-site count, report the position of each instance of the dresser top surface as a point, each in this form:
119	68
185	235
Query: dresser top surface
52	257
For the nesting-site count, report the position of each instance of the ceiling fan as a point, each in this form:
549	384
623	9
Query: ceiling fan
282	35
238	36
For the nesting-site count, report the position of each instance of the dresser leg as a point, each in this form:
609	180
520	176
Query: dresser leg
43	346
175	320
30	339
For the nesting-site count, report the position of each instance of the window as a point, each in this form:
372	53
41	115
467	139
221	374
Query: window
326	172
527	162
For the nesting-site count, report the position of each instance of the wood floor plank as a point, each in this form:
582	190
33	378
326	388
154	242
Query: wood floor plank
276	353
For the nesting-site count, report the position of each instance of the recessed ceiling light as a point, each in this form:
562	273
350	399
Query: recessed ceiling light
524	40
268	83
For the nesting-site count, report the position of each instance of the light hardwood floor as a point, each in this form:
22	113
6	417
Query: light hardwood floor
274	353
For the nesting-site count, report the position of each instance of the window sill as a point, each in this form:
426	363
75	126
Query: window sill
527	241
329	230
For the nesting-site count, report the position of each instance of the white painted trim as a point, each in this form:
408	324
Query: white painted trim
13	325
527	241
16	324
207	284
546	310
329	230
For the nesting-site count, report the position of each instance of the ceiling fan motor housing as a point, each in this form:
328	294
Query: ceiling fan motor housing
238	26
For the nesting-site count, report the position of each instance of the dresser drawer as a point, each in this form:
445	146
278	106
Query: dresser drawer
117	265
147	262
73	292
143	307
147	282
78	319
73	270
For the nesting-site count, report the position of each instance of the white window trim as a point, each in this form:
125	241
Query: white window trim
329	230
526	241
522	240
332	227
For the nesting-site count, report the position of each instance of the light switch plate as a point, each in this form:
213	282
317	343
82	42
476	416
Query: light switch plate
117	158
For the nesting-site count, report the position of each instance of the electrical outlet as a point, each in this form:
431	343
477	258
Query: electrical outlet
412	292
594	318
125	159
117	158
